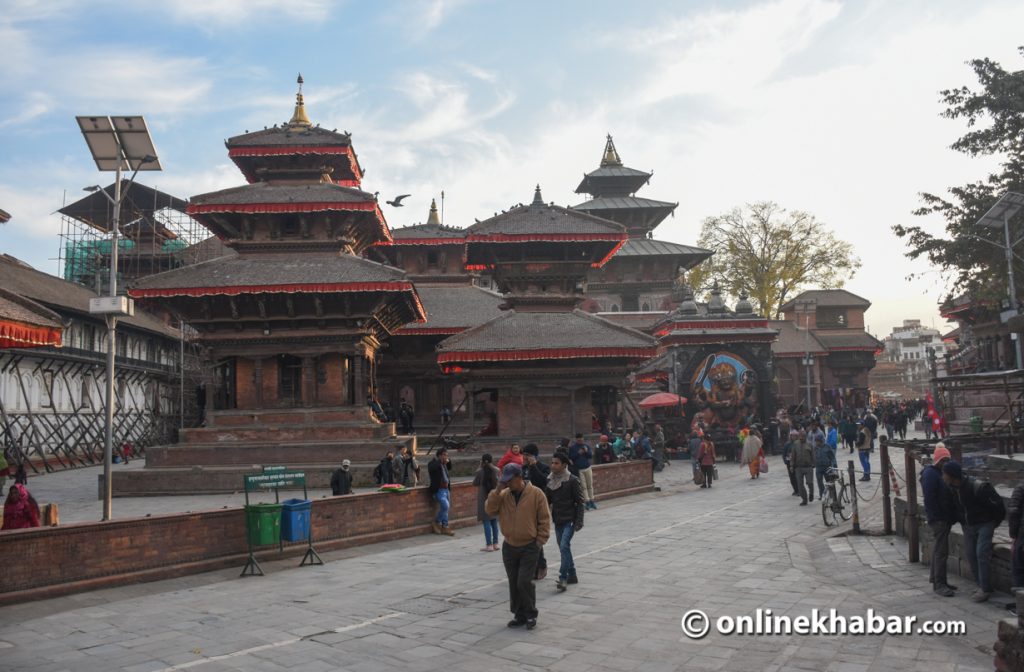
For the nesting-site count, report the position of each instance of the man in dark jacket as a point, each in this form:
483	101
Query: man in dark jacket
940	512
1017	548
604	454
565	497
440	491
787	459
341	479
536	472
581	456
980	509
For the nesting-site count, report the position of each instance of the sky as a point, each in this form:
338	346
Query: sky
824	106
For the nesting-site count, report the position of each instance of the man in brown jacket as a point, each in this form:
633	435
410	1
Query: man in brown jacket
522	512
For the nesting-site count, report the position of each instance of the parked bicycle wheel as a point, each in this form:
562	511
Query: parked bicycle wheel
845	506
828	508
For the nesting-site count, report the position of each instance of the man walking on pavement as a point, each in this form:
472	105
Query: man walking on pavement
536	472
565	497
980	509
787	459
802	461
940	513
581	456
525	519
440	491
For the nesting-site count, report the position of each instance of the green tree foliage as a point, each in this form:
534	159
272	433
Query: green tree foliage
771	254
969	255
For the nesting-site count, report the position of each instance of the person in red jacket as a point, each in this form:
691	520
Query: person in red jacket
513	455
20	509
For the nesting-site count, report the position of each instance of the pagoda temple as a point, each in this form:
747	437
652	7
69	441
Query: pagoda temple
294	322
640	276
546	368
432	256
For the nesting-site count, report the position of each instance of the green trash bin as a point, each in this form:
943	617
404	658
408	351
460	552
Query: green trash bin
263	522
976	424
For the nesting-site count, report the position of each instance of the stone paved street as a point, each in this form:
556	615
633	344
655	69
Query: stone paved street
431	603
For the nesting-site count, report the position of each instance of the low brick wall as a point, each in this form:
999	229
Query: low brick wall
957	564
47	562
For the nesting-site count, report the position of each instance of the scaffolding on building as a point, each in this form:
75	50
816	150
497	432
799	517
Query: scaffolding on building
157	235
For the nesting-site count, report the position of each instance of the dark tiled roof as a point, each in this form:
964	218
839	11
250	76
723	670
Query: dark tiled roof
540	331
273	269
427	231
270	192
623	203
643	321
829	298
59	295
4	216
457	307
647	247
287	136
792	339
17	308
852	339
543	219
96	210
617	171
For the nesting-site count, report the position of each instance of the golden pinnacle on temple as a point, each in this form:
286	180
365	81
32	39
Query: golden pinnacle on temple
299	117
611	156
433	217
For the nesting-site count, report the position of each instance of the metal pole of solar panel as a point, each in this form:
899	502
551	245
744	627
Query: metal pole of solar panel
115	143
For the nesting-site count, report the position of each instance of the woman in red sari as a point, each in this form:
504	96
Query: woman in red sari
20	509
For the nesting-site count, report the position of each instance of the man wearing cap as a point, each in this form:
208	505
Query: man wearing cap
440	491
581	456
604	454
980	509
940	512
341	479
536	472
525	519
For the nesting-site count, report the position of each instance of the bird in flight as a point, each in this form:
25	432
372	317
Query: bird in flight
398	201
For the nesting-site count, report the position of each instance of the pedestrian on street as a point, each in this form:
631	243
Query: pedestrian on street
513	454
865	444
581	456
525	520
706	458
565	497
1016	511
752	453
536	472
20	510
388	469
824	459
940	514
341	479
787	459
440	491
980	510
802	462
658	445
486	480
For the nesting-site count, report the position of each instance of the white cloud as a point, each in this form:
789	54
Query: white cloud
724	53
234	12
36	104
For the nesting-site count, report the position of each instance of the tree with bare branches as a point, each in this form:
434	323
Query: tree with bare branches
771	254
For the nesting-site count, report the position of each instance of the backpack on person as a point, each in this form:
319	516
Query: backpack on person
996	506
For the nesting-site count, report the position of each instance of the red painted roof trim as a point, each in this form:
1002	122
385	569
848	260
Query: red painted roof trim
304	288
544	353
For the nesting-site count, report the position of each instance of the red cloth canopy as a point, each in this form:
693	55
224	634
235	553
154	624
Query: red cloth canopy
662	400
20	335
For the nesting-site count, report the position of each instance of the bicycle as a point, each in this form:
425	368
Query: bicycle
835	503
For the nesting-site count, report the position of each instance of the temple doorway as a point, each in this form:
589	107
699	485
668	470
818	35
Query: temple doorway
289	382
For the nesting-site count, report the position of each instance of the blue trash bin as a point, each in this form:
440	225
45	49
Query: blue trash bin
295	519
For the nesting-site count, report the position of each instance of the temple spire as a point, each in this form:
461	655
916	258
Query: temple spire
537	198
611	156
433	218
299	117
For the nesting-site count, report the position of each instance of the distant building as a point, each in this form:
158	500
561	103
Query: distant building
841	351
911	346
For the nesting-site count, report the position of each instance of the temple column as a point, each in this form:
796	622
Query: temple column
308	381
472	410
257	379
360	375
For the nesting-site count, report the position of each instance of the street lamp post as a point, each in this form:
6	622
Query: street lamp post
116	143
807	305
1008	205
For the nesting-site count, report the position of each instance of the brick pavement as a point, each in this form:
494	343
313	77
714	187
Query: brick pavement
439	604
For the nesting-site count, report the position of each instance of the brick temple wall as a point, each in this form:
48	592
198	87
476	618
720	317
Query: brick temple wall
47	562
